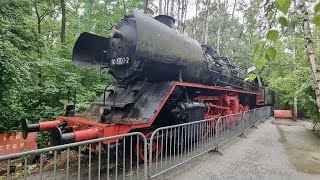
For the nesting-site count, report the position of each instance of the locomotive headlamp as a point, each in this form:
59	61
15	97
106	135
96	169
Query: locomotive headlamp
105	110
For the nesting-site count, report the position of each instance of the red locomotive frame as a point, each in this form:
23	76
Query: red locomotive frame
85	129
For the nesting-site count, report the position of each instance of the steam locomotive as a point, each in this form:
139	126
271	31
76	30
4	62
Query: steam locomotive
163	78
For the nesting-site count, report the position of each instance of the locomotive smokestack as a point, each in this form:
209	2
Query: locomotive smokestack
167	20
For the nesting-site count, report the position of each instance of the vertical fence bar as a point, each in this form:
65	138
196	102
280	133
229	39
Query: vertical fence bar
99	161
25	167
197	131
8	169
138	151
145	157
68	162
162	135
171	136
157	152
41	166
124	158
55	165
131	157
79	161
116	153
108	160
174	145
89	173
254	115
178	147
166	153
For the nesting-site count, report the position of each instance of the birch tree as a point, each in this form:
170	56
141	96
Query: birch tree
310	50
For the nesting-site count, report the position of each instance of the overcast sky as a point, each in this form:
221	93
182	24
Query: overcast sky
192	8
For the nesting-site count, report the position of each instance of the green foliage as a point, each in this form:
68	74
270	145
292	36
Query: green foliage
283	5
261	64
283	21
270	53
317	8
316	20
35	71
273	35
252	76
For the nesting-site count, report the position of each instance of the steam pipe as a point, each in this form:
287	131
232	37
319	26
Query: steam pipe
59	138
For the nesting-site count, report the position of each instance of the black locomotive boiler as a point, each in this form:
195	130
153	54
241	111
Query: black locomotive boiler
163	78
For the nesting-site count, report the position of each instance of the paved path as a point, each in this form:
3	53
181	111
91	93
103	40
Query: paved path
270	152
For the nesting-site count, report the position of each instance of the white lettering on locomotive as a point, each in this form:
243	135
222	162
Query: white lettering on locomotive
120	61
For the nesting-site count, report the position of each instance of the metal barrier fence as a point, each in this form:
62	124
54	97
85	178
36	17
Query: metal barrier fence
119	157
174	145
104	158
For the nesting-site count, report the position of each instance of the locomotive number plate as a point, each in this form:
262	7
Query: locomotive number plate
120	61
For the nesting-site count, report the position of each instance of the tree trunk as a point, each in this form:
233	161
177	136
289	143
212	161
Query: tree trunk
145	6
160	7
206	22
38	18
125	9
63	24
167	8
295	98
195	21
222	26
185	15
181	15
172	7
310	50
232	16
218	41
178	15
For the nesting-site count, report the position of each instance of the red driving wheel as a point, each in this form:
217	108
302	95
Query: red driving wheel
156	148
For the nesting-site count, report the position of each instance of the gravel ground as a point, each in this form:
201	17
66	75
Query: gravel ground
272	151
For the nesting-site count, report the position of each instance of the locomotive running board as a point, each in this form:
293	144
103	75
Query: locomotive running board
195	85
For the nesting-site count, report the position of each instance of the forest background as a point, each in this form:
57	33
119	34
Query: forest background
37	37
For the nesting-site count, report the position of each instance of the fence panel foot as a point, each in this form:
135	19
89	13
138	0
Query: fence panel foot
243	136
217	151
254	126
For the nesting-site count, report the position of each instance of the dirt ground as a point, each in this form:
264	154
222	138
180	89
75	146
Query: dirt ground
281	149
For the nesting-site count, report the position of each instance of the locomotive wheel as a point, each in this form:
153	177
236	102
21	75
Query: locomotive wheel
156	151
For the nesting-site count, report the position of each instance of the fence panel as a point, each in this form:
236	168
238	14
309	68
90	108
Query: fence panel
173	145
249	118
229	127
116	157
126	156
